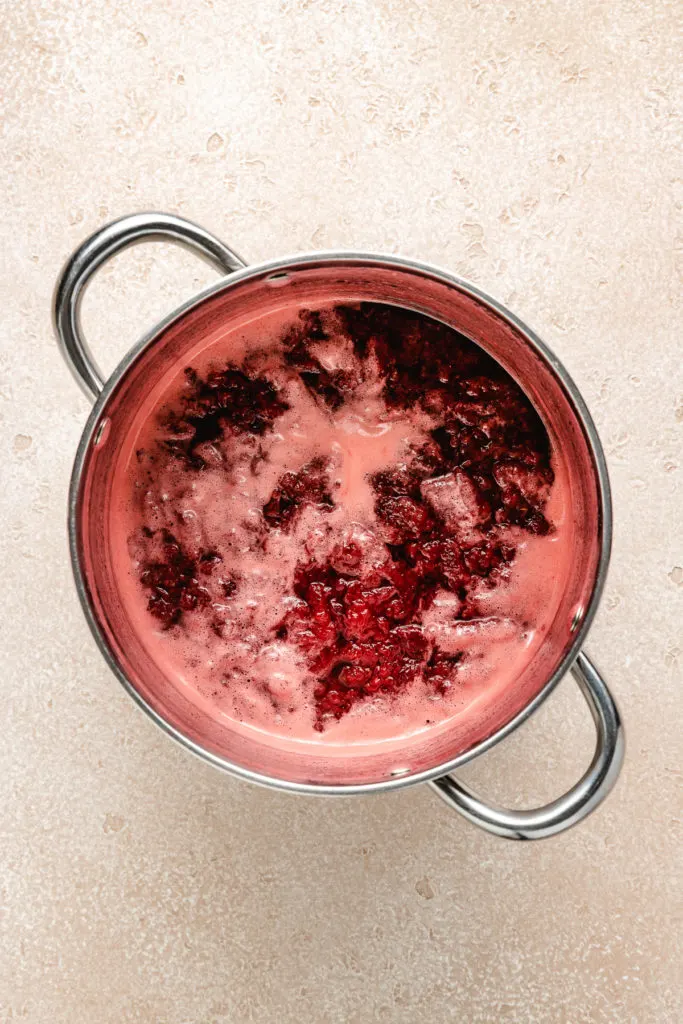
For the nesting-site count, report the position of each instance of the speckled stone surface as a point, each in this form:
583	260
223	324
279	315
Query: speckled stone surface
534	148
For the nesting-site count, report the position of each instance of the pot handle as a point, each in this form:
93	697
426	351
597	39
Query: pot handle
581	799
96	250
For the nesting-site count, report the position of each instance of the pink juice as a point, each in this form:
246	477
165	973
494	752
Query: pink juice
342	526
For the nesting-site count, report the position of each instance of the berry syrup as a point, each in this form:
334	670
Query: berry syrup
345	525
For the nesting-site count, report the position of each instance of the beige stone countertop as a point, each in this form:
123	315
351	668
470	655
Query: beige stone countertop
534	148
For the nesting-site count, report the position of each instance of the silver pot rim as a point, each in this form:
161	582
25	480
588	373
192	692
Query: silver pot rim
342	257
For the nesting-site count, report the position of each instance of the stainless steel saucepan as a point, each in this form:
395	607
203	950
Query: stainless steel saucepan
241	293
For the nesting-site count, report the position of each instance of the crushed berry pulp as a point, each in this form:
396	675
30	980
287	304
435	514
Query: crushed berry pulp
311	521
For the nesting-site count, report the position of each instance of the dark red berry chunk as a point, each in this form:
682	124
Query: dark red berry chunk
440	670
310	486
227	399
403	518
332	387
173	583
362	635
174	580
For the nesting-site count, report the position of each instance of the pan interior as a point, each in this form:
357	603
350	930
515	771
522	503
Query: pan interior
137	385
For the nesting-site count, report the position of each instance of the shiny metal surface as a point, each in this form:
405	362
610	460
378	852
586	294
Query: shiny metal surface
580	800
143	227
96	250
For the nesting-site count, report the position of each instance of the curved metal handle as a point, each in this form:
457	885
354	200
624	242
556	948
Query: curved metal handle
581	799
96	250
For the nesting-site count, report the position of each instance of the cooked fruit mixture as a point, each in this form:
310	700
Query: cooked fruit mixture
318	523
